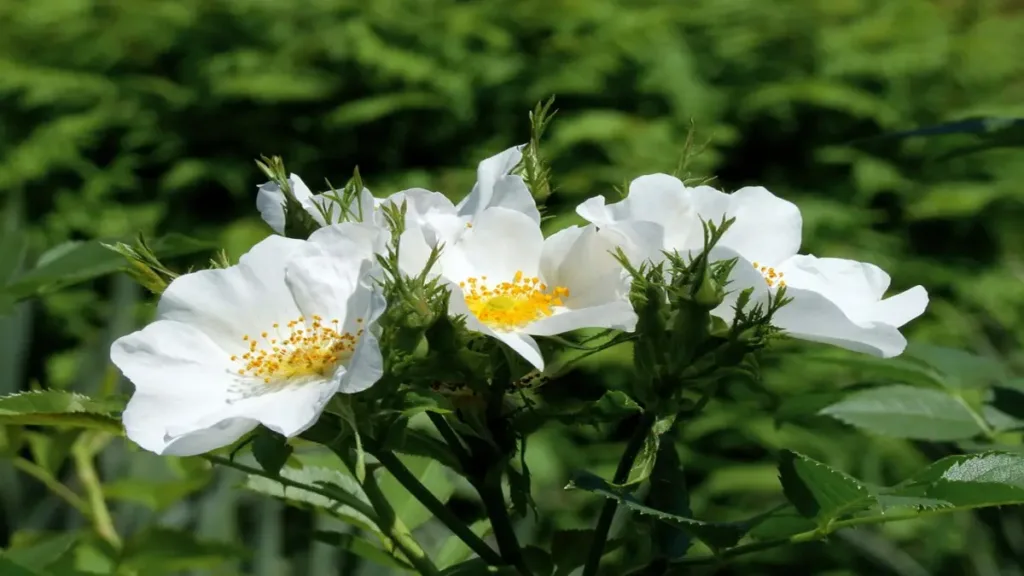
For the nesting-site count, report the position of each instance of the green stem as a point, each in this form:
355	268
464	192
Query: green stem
803	537
436	507
493	498
396	530
83	453
449	435
43	475
491	494
604	521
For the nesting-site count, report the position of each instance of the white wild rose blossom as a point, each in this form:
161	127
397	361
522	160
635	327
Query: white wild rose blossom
512	284
268	341
834	301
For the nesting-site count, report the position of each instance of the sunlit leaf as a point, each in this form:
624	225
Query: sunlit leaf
715	534
59	408
818	491
907	412
341	486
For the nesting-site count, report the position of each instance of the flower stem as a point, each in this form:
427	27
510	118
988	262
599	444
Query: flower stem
436	507
604	521
493	498
43	475
396	530
489	488
683	565
83	453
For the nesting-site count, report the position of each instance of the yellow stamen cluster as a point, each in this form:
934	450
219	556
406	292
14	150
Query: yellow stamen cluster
514	304
772	277
311	347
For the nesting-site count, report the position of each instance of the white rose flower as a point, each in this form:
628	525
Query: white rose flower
513	284
268	341
834	301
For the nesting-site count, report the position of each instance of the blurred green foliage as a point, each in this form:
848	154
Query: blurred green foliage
126	117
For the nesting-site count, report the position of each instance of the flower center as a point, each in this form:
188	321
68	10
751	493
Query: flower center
310	347
772	277
514	304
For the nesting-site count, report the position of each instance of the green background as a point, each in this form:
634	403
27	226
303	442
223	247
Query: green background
125	117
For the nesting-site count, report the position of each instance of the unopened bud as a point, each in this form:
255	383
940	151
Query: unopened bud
709	294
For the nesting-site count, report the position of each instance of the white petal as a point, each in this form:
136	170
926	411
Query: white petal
328	275
511	192
581	260
413	252
219	435
617	314
488	173
367	363
524	345
181	378
812	316
767	228
840	302
656	198
270	201
291	410
350	240
433	213
500	243
902	308
230	303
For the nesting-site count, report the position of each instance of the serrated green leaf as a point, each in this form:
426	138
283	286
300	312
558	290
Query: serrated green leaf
343	486
56	402
907	412
887	502
59	408
648	455
360	548
714	534
271	450
818	491
970	481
